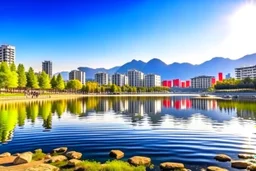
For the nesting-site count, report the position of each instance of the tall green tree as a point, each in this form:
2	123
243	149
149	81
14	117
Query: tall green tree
60	84
74	85
8	78
32	80
54	82
13	67
22	78
3	74
44	81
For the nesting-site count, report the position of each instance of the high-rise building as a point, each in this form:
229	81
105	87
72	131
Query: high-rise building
7	54
153	80
220	76
77	75
228	76
135	78
183	84
176	83
119	79
244	72
101	78
202	82
47	67
188	83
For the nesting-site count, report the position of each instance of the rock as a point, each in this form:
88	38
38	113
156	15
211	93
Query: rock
5	155
171	166
47	157
43	167
252	167
73	162
38	150
58	158
215	168
222	157
23	158
139	160
246	156
117	154
240	164
73	155
16	154
60	150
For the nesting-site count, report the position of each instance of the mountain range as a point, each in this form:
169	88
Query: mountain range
178	70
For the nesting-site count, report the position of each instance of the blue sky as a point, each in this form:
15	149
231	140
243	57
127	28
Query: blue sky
108	33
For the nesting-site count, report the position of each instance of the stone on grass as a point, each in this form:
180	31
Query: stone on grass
222	157
171	166
60	150
215	168
58	158
246	156
139	160
23	158
73	155
43	167
240	164
5	155
117	154
74	162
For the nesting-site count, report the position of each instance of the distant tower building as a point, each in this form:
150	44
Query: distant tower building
213	80
136	78
202	82
220	76
7	54
183	84
188	84
47	67
176	83
119	79
228	76
101	78
153	80
244	72
77	75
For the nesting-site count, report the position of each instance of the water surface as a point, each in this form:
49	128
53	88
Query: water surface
178	129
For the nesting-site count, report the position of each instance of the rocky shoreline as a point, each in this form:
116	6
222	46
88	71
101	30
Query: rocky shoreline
60	159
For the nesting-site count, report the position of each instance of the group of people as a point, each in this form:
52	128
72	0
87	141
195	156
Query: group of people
33	94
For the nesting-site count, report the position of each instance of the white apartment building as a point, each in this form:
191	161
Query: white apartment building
119	79
244	72
7	54
47	67
135	78
77	75
101	78
201	82
152	80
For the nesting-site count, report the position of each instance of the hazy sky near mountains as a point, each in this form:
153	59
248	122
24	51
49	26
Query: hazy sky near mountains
107	33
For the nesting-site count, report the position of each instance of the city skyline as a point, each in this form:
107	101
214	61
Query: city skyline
96	33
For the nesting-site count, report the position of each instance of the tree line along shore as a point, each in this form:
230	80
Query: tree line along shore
16	79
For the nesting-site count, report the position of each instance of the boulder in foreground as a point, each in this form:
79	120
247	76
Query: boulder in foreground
43	167
74	162
171	166
23	158
252	167
222	157
60	150
246	156
139	160
117	154
58	158
240	164
73	155
5	155
215	168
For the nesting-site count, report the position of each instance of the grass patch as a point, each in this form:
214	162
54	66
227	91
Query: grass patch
60	164
114	165
11	94
38	155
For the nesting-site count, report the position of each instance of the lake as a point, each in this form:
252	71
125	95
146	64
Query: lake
179	129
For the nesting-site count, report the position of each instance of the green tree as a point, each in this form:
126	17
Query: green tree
32	80
13	67
22	79
74	85
8	78
54	82
44	81
113	88
60	84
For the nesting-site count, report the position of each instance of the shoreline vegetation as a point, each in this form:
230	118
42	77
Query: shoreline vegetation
60	159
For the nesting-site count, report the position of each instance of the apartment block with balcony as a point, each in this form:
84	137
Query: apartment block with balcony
152	80
101	78
77	75
136	78
201	82
119	79
47	67
244	72
7	54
